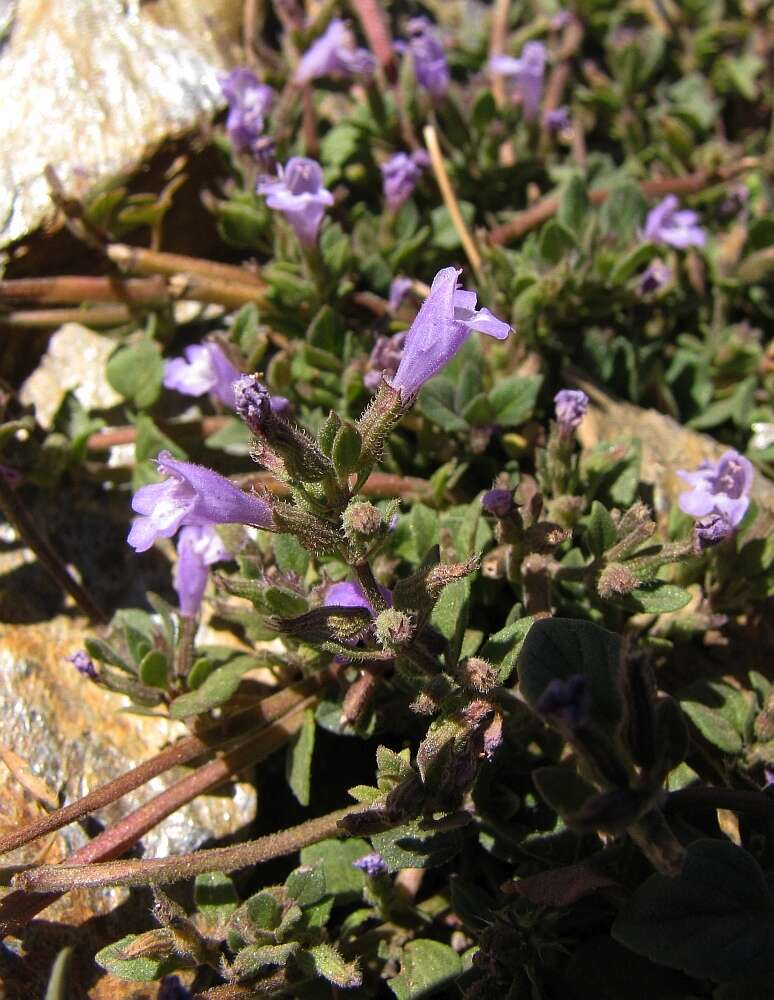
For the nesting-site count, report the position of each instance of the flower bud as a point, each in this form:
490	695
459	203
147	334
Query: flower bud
615	580
372	865
498	502
476	674
361	519
566	703
84	664
394	628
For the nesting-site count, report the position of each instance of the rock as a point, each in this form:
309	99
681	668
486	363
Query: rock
90	86
75	359
74	736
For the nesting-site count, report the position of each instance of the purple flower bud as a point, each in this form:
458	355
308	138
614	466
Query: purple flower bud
527	72
298	193
498	502
711	530
249	102
399	289
558	119
384	360
348	594
442	325
252	401
570	409
198	547
717	488
372	864
654	277
280	406
667	223
430	64
191	495
566	703
334	54
205	368
400	175
83	663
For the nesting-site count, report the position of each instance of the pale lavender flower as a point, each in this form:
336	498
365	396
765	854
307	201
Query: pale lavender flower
83	663
384	359
566	702
430	64
249	102
443	324
205	368
654	277
719	496
198	547
527	72
558	119
399	289
372	864
280	406
401	174
348	594
668	223
298	193
570	408
191	495
334	53
498	502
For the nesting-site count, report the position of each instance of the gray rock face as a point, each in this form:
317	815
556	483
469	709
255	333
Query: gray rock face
89	86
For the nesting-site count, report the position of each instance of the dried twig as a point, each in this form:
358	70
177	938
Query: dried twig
450	198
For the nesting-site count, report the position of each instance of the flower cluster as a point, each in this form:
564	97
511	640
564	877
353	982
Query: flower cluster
249	102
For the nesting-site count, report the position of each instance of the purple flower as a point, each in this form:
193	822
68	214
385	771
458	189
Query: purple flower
399	289
191	495
384	359
527	71
372	864
558	119
570	409
249	102
719	496
198	547
298	193
400	175
252	401
334	54
83	663
498	502
280	406
667	223
566	703
430	64
654	277
205	368
442	325
347	594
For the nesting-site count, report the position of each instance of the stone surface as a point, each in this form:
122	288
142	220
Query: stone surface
75	359
90	86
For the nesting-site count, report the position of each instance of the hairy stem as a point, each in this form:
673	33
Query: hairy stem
160	871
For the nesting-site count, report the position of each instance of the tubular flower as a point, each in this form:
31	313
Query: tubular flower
401	174
191	495
430	64
334	53
570	408
198	547
718	498
668	223
205	368
298	193
527	72
443	324
249	102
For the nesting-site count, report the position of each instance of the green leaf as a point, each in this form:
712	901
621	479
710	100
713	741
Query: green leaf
144	969
620	216
632	262
502	649
233	439
345	453
154	669
560	647
556	240
256	958
450	615
514	398
290	555
136	370
563	789
423	526
573	205
657	598
328	963
216	690
436	402
600	529
215	896
714	921
713	727
306	885
425	966
336	857
412	846
299	759
58	987
444	234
